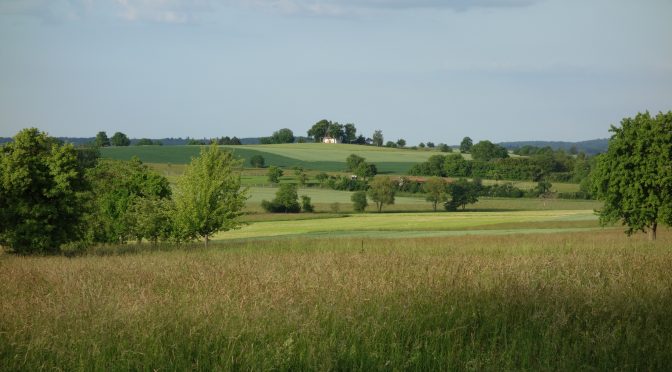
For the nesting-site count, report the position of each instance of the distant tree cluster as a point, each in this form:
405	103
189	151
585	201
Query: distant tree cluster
284	135
343	133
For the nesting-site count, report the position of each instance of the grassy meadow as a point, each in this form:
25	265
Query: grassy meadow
564	301
508	284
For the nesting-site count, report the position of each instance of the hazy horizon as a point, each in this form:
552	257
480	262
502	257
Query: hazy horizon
423	70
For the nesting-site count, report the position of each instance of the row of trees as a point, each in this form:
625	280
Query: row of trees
118	139
52	195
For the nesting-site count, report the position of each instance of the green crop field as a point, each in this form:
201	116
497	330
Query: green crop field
566	301
321	157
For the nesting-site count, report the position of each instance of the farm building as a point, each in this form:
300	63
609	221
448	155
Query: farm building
328	139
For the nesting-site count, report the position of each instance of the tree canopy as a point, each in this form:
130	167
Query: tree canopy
486	151
382	191
208	197
465	145
40	190
120	139
634	176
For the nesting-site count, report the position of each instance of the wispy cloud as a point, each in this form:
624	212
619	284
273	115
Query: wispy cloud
182	11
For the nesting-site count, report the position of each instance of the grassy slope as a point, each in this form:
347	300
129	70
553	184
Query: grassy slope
580	301
405	223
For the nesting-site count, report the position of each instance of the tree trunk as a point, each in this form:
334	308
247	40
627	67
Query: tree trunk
207	238
652	231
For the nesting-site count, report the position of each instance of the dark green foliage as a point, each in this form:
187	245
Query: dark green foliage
146	142
486	151
116	187
319	130
349	133
462	192
228	141
257	161
306	205
466	144
391	144
366	170
634	176
119	139
430	145
286	200
343	183
87	157
41	187
195	142
359	202
353	161
274	173
401	142
284	135
102	140
436	191
322	178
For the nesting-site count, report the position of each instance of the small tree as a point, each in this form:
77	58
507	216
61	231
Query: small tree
353	161
209	197
486	151
306	205
382	191
359	202
377	137
634	176
462	193
257	161
401	142
102	140
465	145
119	139
286	200
274	173
322	178
435	188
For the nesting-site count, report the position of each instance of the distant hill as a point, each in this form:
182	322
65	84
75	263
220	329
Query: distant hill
591	147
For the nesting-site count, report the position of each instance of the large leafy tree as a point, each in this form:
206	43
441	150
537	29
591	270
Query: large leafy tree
102	140
466	144
634	176
209	197
486	150
350	133
319	130
120	139
118	189
40	194
382	191
284	135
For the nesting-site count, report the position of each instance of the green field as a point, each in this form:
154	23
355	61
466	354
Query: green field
566	301
321	157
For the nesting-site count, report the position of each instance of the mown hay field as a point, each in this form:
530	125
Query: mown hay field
566	301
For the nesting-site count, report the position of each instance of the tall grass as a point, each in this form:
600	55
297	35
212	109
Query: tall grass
536	302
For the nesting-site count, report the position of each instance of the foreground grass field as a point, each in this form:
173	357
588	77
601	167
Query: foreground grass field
580	301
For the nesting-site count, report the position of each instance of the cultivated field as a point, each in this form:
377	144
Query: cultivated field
315	156
566	301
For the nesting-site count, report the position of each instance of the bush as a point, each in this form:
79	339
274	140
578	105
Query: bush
286	200
359	202
306	206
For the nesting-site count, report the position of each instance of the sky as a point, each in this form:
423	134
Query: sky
422	70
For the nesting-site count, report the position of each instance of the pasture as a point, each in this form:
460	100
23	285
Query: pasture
565	301
314	156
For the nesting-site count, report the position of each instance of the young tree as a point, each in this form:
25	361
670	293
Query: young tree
359	202
257	161
102	140
382	191
40	187
119	139
634	176
377	137
435	188
465	145
274	173
208	196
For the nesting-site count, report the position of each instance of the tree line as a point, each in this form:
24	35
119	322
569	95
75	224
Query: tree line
55	196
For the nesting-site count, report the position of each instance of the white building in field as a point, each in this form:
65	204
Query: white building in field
328	139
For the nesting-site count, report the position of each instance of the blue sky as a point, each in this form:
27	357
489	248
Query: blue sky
423	70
